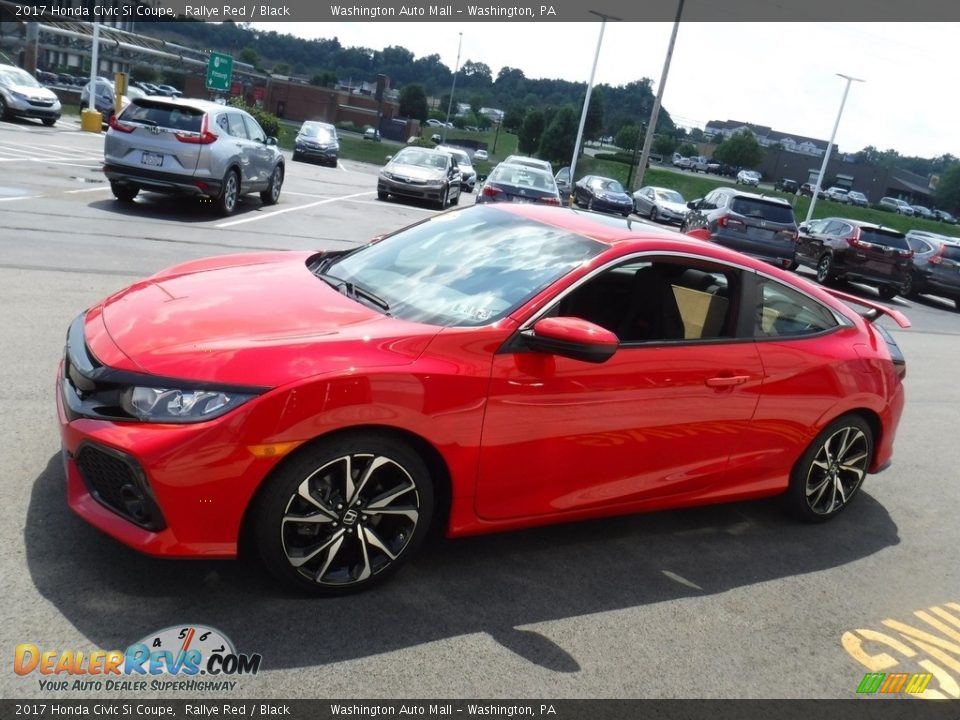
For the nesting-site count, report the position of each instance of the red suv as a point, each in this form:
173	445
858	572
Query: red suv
840	248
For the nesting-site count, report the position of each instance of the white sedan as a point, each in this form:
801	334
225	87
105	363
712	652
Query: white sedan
480	155
748	177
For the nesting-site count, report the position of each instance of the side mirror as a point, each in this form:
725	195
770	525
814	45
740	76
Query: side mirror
803	228
271	141
388	158
573	338
694	204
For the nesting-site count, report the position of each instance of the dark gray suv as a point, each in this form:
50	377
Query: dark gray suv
191	147
757	225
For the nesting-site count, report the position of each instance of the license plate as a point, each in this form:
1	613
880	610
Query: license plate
154	159
759	233
520	200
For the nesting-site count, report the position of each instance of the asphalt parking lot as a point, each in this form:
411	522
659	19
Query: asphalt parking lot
729	601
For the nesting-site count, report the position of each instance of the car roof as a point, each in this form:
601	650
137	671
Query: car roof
195	103
864	224
752	196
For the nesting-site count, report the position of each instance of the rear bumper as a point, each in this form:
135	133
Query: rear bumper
160	181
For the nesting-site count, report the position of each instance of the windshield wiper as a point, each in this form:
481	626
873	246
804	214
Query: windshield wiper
354	291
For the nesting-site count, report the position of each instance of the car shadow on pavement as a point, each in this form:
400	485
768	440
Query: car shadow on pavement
154	206
494	584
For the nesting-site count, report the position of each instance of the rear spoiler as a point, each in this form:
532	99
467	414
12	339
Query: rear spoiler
874	310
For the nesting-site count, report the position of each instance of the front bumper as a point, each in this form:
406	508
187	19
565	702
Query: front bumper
324	154
164	489
613	206
411	190
26	109
161	181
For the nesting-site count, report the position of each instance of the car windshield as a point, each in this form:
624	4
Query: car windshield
16	76
461	157
157	114
857	195
606	184
465	268
774	212
316	131
422	158
670	196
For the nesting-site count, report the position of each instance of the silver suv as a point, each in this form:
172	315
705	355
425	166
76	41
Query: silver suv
21	95
191	147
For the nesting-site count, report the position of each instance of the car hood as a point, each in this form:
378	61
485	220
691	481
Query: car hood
673	206
415	172
40	93
614	196
261	319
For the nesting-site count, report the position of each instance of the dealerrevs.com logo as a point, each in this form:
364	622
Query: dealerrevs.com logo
180	658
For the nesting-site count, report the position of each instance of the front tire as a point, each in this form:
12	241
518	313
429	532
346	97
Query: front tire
3	108
345	515
229	193
271	196
49	122
829	474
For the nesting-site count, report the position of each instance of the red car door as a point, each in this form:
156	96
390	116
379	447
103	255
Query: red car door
562	435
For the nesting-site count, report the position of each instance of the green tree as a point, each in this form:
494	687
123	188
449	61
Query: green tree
281	69
324	79
947	194
413	101
739	150
476	102
664	145
558	139
531	131
249	56
513	119
593	128
627	137
688	149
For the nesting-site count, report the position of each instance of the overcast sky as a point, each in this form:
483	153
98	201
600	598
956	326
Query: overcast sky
776	74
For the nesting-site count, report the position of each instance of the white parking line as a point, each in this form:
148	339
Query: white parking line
96	162
264	216
19	197
405	207
86	190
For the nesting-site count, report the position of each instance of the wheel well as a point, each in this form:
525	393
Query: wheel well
439	473
876	427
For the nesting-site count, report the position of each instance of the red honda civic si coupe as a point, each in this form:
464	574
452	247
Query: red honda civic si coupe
491	368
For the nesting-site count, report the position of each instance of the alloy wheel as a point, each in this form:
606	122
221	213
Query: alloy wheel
837	470
350	519
824	269
230	193
277	183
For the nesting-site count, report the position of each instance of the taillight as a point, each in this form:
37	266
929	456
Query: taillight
725	221
115	124
204	137
550	201
854	240
491	191
937	257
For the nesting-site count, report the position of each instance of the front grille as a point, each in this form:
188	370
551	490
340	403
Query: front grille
115	480
41	103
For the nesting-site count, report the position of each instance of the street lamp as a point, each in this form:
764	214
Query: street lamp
586	100
453	89
826	155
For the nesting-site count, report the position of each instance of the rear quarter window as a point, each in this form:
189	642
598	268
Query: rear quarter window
951	252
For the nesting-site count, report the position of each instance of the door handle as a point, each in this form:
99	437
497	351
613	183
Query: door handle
726	381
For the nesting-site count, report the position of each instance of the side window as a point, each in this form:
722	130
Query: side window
254	131
837	228
222	123
235	125
785	312
654	300
918	246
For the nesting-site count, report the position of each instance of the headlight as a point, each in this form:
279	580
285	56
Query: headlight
434	183
385	174
18	96
170	405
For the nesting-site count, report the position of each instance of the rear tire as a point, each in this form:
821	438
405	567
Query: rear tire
229	193
49	122
829	474
3	108
345	515
271	196
124	193
654	215
825	273
888	292
910	288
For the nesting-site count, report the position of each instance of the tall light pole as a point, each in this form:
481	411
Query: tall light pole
453	89
586	100
826	155
655	112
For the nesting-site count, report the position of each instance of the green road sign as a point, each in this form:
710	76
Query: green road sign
219	72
